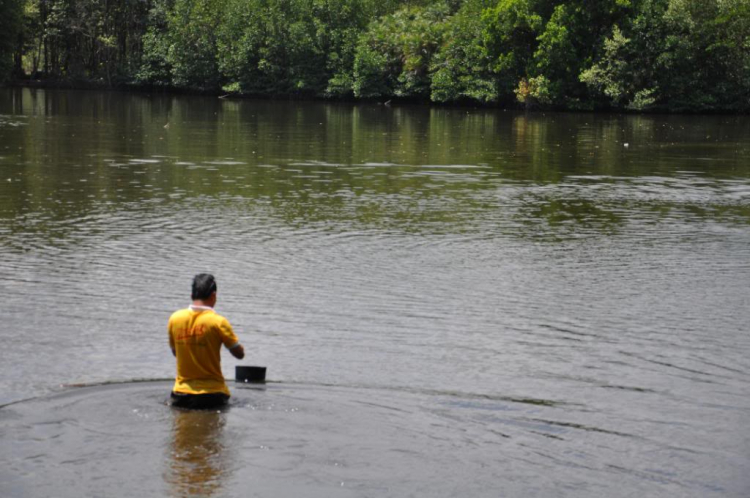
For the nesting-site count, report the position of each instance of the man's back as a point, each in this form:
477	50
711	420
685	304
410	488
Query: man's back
196	335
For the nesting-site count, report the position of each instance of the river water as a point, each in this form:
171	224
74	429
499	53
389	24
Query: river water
450	302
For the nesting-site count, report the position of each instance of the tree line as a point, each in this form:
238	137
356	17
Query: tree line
676	55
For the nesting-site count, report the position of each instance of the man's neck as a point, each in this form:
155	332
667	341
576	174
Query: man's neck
198	304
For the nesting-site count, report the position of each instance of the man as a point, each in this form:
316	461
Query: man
195	336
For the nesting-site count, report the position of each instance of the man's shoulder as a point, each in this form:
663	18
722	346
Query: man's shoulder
213	317
185	312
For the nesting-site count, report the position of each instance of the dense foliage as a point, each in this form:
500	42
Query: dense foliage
11	23
573	54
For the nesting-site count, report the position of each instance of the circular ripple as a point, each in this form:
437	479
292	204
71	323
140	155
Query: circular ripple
316	440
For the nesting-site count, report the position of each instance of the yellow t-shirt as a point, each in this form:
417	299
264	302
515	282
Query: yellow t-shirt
196	335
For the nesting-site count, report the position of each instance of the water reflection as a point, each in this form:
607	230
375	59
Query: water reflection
199	463
70	158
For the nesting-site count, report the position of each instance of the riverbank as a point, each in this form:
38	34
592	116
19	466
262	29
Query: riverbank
100	85
128	87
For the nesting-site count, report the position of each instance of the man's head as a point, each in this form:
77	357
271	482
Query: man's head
204	287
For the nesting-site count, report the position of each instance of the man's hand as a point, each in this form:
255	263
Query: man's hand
238	351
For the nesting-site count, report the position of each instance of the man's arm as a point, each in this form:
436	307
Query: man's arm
230	339
171	338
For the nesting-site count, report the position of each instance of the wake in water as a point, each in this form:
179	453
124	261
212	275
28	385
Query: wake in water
323	441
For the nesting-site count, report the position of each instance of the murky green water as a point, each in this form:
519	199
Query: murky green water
450	302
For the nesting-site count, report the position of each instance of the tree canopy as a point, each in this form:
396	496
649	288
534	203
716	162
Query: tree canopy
681	55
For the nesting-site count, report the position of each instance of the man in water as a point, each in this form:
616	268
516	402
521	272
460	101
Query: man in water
195	336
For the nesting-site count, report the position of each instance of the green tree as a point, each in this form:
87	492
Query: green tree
571	40
540	47
677	55
732	45
155	68
294	46
394	55
705	54
626	73
460	69
270	47
192	52
510	39
637	54
83	39
11	20
340	25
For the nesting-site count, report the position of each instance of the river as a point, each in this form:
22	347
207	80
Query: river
449	301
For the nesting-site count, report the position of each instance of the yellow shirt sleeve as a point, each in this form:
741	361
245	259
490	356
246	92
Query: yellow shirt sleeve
228	337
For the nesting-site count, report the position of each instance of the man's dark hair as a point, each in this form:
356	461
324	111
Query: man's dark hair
203	286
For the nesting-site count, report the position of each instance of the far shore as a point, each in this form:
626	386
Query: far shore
88	85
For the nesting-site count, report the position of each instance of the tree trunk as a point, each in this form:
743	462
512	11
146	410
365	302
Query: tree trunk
18	58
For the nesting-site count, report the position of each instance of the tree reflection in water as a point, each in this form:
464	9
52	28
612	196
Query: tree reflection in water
198	460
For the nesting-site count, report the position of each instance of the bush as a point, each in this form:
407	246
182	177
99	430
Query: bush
393	57
11	20
460	69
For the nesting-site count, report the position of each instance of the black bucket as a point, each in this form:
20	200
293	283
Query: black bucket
250	374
